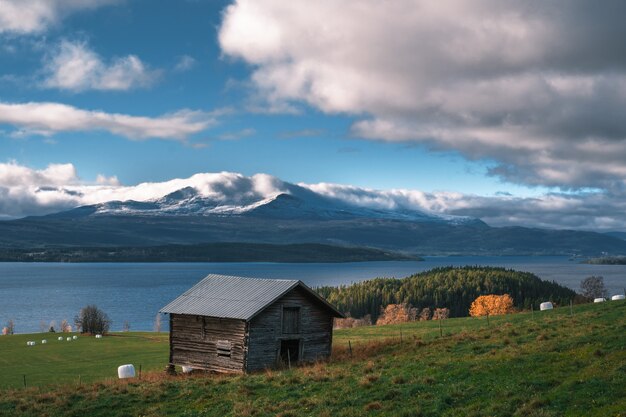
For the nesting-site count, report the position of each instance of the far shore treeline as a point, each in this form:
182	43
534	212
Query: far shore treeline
454	288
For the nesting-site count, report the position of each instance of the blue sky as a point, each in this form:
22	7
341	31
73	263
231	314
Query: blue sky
160	33
419	96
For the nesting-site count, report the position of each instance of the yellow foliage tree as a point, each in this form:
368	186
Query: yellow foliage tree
491	305
394	313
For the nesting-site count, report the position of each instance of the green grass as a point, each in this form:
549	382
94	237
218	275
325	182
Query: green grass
552	364
92	359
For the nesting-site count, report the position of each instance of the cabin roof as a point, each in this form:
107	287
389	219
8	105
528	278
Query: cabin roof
236	297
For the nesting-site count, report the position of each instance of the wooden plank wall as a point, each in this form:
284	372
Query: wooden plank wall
193	342
265	331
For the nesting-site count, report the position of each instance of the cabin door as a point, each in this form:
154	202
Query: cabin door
290	350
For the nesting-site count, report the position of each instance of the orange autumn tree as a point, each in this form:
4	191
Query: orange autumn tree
394	313
491	305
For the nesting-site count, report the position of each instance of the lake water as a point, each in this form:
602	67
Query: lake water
34	294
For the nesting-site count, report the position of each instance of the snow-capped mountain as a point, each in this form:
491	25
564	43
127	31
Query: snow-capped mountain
295	203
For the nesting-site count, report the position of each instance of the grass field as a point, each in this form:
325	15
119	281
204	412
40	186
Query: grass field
546	364
87	358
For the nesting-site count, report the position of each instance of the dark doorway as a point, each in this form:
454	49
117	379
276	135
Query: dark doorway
290	350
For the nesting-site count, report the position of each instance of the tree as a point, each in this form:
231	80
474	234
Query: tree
593	287
441	313
92	320
491	305
65	326
394	313
425	314
10	328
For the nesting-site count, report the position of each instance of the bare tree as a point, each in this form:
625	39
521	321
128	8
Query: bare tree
65	326
593	287
10	327
92	320
157	323
441	314
52	326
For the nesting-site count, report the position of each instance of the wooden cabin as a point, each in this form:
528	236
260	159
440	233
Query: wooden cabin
235	324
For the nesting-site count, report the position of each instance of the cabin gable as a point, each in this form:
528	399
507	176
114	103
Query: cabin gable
295	328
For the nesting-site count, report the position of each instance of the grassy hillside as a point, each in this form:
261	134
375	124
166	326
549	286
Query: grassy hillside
542	364
90	358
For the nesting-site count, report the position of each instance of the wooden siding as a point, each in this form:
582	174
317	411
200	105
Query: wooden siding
266	331
194	342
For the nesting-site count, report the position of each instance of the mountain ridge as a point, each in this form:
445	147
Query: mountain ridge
295	216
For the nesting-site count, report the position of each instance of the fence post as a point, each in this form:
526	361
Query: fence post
400	336
139	371
288	359
79	380
440	329
24	380
350	348
571	310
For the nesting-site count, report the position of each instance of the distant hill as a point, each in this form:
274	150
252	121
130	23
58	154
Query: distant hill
619	235
452	287
299	216
209	252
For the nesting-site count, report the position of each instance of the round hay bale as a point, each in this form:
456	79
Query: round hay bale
74	337
618	297
98	336
599	300
187	369
60	338
69	339
126	371
546	306
44	341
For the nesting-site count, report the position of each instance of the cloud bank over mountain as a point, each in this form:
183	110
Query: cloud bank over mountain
536	87
26	191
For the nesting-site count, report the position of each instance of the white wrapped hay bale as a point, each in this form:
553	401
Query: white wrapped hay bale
599	300
44	341
98	336
126	371
74	337
60	338
546	306
187	369
30	343
618	297
69	339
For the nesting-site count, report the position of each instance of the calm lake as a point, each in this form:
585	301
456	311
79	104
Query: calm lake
34	294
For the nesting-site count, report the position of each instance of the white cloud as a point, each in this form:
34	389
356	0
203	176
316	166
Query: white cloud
185	63
34	16
26	191
73	66
536	86
49	118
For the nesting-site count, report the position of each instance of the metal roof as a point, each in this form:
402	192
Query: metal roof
235	297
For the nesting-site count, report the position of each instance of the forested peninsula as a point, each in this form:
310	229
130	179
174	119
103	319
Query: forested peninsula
450	287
